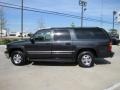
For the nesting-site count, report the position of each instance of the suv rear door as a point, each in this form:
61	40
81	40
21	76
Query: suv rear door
62	44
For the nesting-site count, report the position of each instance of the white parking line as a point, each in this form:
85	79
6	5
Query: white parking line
113	87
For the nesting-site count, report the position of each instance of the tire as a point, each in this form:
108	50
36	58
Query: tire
18	58
86	59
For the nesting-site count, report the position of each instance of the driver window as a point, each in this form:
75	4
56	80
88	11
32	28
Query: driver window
43	36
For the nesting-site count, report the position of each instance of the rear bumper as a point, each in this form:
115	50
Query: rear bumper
106	55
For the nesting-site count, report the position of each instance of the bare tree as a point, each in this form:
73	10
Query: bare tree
72	24
2	20
41	23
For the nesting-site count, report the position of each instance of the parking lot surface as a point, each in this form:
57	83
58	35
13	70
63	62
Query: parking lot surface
105	75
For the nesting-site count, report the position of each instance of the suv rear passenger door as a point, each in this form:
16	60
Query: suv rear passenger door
62	44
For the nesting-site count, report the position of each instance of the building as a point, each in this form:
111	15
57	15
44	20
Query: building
3	33
18	34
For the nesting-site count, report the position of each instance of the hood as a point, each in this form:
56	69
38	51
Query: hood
20	42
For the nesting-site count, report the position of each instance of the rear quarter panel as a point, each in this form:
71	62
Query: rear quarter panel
100	46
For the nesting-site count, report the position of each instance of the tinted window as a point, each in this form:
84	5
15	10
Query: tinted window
61	35
43	35
90	34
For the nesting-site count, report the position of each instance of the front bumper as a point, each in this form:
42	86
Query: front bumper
111	54
7	54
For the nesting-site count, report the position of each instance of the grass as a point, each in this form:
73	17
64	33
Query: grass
6	41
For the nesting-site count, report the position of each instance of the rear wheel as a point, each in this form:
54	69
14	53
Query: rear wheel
18	58
86	59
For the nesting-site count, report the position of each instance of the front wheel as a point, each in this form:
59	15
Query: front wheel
18	58
86	59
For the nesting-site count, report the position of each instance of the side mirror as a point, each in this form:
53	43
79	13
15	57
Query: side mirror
32	40
30	35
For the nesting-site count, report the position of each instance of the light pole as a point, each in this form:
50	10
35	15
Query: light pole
83	5
22	19
114	13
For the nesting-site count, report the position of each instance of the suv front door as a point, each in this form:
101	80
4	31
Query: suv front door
41	48
62	44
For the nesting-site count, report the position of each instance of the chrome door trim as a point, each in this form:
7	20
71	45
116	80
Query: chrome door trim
50	52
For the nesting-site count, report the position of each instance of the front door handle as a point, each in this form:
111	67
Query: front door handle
47	44
67	44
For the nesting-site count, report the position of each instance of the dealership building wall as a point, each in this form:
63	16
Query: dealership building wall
3	33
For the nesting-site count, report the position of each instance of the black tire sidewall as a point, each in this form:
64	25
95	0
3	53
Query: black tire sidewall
21	54
85	53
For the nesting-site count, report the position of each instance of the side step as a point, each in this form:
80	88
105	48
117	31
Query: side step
53	60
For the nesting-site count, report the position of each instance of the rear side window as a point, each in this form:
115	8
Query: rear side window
62	35
90	34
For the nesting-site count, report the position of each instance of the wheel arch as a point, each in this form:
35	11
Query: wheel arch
15	49
86	49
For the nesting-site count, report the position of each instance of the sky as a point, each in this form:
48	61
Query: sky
96	9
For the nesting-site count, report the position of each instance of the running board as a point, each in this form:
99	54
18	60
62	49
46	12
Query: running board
53	60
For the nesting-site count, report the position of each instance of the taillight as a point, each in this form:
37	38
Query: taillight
110	46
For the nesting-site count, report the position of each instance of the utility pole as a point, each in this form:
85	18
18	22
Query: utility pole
101	13
1	17
22	19
114	13
83	5
3	21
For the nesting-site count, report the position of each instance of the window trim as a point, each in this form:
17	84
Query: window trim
47	30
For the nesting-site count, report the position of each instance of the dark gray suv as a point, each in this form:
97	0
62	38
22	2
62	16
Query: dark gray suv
80	45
